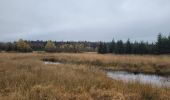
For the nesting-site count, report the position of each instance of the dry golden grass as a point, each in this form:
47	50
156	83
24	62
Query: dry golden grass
150	64
26	77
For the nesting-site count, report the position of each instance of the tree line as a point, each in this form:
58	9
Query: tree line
49	46
161	46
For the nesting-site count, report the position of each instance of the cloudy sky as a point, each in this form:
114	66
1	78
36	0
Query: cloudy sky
91	20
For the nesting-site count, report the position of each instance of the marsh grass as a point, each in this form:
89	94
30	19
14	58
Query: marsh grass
26	77
149	64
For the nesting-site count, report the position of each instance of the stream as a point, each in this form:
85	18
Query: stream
132	77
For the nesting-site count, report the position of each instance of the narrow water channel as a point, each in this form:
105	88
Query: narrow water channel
131	77
142	78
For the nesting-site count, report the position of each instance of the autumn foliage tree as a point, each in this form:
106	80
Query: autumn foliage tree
23	46
50	47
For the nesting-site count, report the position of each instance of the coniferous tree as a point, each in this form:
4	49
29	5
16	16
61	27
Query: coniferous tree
119	47
169	44
112	46
166	45
135	47
105	48
162	45
128	47
142	48
151	48
159	44
100	48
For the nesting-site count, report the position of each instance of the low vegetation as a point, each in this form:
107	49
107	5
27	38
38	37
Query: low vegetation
149	64
26	77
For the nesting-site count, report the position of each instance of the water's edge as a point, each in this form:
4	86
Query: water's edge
125	76
140	77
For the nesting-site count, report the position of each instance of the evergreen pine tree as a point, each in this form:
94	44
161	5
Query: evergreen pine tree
159	44
120	47
135	47
128	47
142	48
100	48
169	44
112	46
104	48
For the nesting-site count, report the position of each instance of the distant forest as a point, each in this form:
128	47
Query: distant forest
161	46
54	46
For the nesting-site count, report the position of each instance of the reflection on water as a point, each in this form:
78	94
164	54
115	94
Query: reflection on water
142	78
52	63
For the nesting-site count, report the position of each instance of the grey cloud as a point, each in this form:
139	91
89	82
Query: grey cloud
91	20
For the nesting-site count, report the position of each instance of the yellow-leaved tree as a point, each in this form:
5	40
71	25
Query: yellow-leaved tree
50	47
23	46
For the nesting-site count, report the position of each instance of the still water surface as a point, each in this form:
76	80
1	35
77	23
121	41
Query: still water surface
52	63
142	78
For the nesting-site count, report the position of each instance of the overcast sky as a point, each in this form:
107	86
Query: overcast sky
91	20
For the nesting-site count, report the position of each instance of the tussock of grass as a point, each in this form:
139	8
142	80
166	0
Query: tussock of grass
26	77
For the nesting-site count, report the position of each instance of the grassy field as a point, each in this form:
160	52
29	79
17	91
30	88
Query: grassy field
26	77
133	63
